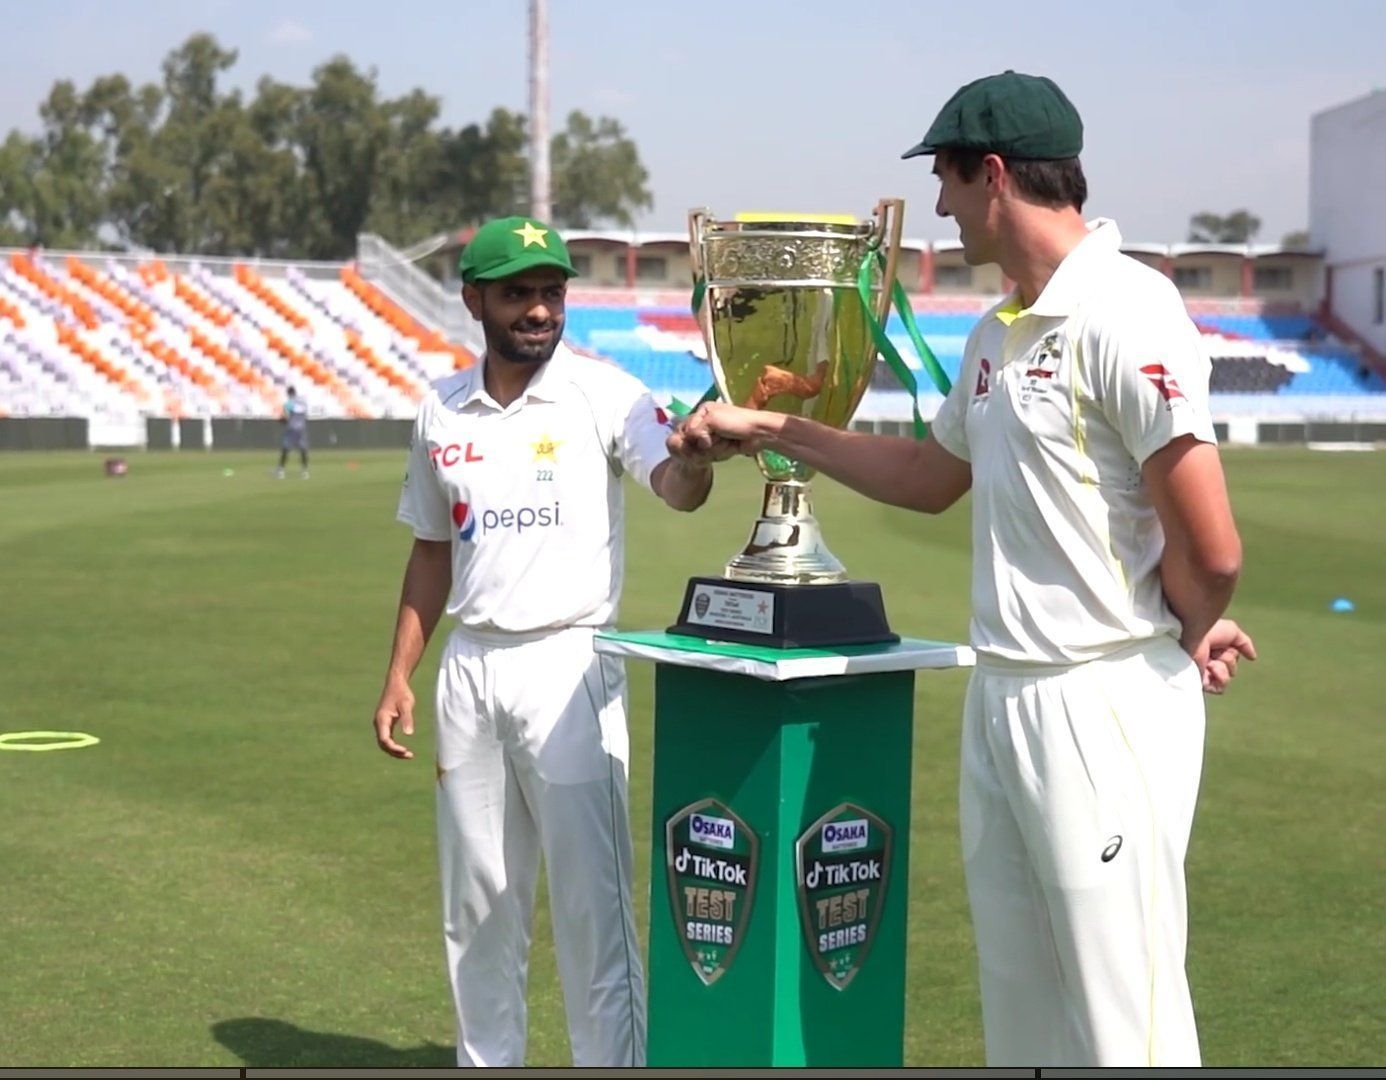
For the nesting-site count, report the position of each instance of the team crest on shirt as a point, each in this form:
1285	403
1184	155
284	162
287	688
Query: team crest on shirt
545	457
1042	367
546	449
983	387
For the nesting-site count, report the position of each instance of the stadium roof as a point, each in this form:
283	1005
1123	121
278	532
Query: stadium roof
638	238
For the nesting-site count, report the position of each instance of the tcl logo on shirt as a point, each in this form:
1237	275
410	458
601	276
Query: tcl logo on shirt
453	453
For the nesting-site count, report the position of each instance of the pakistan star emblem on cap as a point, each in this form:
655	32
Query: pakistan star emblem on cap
532	234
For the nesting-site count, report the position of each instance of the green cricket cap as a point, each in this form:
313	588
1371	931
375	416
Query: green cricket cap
1014	115
511	245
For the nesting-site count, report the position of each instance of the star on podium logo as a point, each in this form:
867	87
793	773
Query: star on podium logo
532	234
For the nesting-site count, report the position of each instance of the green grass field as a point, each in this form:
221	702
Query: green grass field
236	876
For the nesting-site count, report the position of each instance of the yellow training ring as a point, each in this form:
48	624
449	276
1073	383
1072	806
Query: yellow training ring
46	740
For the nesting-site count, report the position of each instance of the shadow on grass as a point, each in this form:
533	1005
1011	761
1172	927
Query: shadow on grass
277	1044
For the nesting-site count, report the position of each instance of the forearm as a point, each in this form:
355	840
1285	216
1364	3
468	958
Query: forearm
684	485
427	578
889	469
1197	592
1202	557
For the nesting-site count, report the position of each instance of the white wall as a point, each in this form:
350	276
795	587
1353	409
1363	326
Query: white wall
1347	205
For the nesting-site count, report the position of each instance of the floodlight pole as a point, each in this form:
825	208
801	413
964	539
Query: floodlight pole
539	204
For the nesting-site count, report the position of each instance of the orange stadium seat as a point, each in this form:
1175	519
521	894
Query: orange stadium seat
30	270
108	290
101	332
249	279
382	305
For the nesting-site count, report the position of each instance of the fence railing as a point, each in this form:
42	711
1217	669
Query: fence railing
181	264
387	268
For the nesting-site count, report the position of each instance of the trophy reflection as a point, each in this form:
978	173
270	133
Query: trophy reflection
786	315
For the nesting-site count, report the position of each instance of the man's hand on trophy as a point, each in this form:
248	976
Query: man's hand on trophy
693	443
750	429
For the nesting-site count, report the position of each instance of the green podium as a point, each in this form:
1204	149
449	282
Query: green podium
780	863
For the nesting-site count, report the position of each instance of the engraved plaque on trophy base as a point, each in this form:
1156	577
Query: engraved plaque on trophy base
784	616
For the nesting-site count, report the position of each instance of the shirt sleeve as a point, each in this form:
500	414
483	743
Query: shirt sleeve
949	426
423	503
1151	371
641	430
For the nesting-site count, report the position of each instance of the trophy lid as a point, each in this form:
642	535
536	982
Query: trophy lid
762	222
824	219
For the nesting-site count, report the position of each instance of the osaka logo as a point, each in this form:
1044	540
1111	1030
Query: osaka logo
464	519
712	831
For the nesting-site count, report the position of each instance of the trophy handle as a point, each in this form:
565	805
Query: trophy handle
697	220
890	222
697	226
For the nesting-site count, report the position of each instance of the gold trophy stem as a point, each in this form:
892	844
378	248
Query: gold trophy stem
786	545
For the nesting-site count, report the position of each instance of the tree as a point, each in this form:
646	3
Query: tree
51	185
597	174
186	166
1296	241
165	179
485	170
1237	227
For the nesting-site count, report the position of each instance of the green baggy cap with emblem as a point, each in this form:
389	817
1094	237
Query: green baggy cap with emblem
1017	116
512	245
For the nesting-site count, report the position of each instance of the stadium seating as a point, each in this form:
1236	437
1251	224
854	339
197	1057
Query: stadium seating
1269	354
96	335
99	335
663	347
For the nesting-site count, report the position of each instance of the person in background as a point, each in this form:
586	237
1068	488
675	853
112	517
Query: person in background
295	421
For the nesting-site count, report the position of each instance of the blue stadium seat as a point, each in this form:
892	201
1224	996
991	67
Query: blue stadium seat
1262	327
615	332
1334	371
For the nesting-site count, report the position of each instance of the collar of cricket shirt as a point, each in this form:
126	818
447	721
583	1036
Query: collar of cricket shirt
1069	281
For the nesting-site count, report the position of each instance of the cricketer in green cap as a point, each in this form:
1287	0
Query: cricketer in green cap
1006	154
1020	117
515	273
1091	476
510	245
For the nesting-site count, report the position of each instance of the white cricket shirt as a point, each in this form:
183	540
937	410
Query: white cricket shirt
1057	407
530	495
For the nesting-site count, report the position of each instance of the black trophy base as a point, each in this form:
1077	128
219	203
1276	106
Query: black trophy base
784	616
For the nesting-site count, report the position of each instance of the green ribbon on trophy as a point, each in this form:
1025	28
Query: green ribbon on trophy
884	345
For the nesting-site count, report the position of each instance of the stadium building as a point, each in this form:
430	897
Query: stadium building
1347	220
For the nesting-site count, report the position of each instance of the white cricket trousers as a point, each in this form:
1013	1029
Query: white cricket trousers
1076	800
532	753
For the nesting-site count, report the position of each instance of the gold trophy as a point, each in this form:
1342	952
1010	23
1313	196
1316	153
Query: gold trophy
787	329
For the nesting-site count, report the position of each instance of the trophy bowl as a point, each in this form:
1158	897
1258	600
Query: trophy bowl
787	330
786	309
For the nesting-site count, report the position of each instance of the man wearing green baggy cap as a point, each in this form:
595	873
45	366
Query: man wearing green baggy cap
1104	556
514	495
